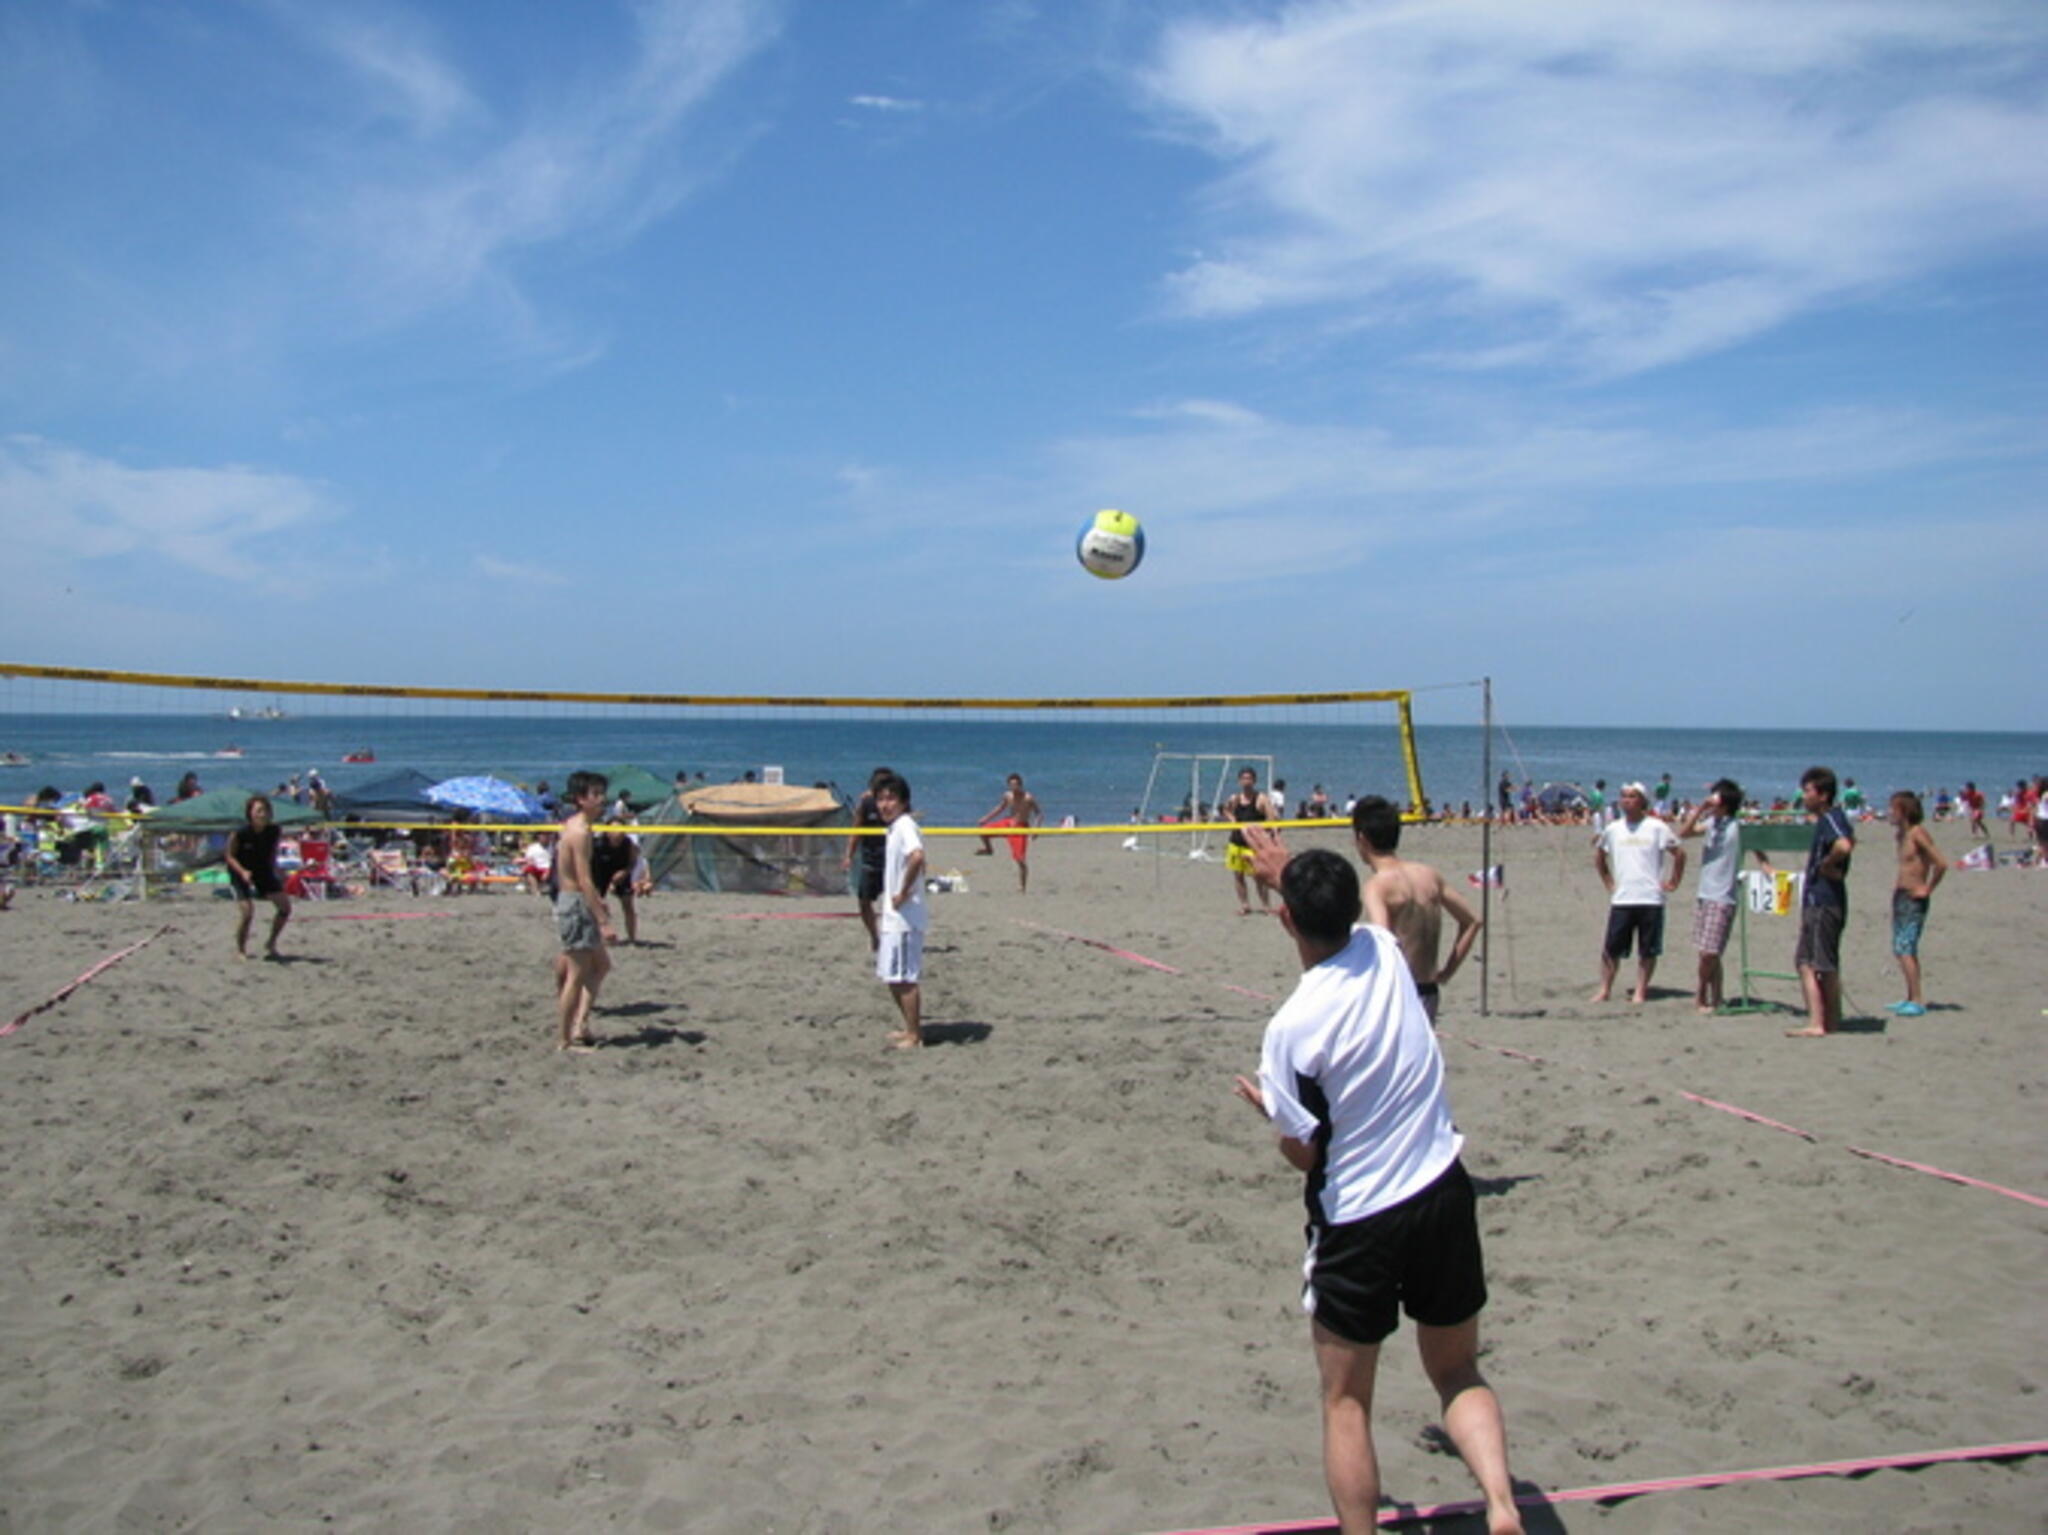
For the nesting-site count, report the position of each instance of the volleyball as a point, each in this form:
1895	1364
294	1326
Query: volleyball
1111	545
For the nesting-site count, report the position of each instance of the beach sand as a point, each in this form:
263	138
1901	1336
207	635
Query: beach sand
345	1240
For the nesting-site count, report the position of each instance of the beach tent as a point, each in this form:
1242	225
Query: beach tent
395	796
221	810
1562	799
641	788
193	832
756	860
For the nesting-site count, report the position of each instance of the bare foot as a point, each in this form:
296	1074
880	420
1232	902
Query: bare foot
1703	1007
1639	997
1599	996
903	1041
582	1045
1809	1032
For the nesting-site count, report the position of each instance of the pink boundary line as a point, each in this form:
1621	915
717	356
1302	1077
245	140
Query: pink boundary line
1417	1513
64	991
1729	1108
1804	1135
1097	943
1936	1172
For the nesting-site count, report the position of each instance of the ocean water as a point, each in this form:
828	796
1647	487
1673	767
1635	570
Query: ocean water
1095	770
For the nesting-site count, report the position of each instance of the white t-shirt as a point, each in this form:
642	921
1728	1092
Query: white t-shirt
1635	857
1720	859
1352	1049
903	840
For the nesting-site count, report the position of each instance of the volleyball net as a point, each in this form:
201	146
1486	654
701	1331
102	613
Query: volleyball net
1092	765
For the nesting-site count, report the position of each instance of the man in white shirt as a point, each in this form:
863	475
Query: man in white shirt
1351	1078
1629	853
900	923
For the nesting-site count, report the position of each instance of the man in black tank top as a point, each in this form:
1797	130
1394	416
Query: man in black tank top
1245	807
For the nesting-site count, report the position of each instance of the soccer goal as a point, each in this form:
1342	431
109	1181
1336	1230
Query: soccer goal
1188	789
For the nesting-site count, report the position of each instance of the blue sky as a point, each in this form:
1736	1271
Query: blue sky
1671	364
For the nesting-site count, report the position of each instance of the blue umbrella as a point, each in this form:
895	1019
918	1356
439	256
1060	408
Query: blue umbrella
492	798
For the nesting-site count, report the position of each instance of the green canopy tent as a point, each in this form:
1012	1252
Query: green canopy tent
643	790
223	810
193	832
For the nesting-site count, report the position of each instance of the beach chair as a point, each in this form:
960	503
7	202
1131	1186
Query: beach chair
389	868
314	878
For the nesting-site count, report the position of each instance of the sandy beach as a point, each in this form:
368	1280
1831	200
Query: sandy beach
343	1239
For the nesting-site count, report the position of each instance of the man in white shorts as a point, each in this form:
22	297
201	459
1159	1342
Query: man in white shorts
900	923
1352	1080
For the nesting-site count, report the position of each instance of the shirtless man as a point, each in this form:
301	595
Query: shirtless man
1920	869
1408	899
581	921
1017	807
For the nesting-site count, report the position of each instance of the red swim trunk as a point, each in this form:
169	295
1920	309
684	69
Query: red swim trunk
1018	845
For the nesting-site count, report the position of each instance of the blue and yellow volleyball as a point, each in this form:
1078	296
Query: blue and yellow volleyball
1111	545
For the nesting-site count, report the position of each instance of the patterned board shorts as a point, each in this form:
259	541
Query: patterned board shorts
1909	916
1711	921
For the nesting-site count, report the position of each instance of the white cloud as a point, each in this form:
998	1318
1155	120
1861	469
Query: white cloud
1623	185
885	103
64	512
391	54
438	222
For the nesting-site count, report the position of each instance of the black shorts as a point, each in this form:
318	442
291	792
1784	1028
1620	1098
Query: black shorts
1420	1256
1820	939
1627	923
262	884
868	884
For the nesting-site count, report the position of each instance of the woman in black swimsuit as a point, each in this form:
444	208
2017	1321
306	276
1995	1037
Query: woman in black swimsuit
252	871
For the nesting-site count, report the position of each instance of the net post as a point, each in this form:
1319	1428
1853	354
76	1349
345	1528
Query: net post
1485	841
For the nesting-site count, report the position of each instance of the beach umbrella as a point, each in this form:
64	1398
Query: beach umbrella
1559	798
491	798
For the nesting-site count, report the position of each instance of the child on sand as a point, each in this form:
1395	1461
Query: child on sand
899	954
252	871
1920	870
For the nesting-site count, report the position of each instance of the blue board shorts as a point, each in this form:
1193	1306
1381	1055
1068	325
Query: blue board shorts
1909	916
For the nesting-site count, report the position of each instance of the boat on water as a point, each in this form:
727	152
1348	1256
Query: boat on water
267	712
365	755
229	751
